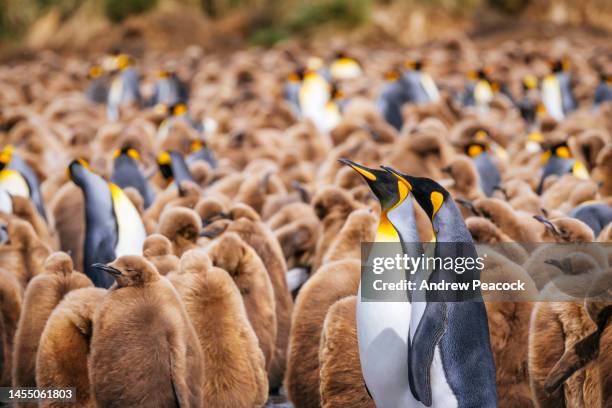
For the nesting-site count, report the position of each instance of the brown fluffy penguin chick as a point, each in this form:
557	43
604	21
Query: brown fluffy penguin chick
297	229
332	205
342	383
61	361
519	226
10	308
42	295
485	232
263	241
24	254
231	253
557	325
333	282
158	250
509	328
234	365
360	226
159	360
68	210
566	229
25	209
182	227
465	179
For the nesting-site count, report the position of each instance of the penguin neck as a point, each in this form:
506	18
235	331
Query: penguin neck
448	224
403	221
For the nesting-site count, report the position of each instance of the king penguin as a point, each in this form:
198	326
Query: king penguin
478	91
200	151
17	178
172	166
558	160
419	85
383	327
478	151
113	226
125	85
313	96
603	92
391	99
291	89
557	94
450	359
169	89
127	173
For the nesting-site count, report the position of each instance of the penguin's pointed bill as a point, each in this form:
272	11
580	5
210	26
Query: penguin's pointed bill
107	268
383	185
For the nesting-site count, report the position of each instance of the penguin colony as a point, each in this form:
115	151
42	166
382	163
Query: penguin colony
186	230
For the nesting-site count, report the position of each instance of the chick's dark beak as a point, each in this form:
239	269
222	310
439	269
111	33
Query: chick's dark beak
108	269
469	205
549	225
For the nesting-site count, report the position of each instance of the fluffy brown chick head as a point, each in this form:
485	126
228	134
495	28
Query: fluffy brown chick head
156	245
331	198
228	251
483	231
242	210
195	261
131	270
210	209
567	229
179	222
59	263
493	209
463	172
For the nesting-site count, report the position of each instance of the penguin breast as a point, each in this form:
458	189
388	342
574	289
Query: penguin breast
14	183
130	229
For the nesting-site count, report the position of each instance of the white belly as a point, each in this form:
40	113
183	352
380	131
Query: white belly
131	230
551	98
441	394
6	204
382	333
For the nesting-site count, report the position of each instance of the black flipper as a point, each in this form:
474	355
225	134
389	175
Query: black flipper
421	350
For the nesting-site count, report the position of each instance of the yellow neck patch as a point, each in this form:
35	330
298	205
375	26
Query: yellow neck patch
474	150
563	152
164	158
7	154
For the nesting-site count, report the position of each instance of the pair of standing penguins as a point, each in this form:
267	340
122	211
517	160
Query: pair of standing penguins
431	351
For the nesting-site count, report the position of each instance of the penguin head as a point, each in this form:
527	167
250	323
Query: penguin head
95	71
392	75
78	171
59	263
296	76
430	195
560	150
164	161
384	186
558	65
156	245
6	155
178	109
529	82
127	151
414	65
130	270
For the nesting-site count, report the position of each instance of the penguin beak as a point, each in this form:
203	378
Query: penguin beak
108	269
213	233
469	205
364	171
549	225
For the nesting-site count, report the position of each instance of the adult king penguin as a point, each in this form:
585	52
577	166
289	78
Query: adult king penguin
173	167
450	360
392	97
17	178
126	173
113	226
558	160
557	94
383	327
420	87
478	151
